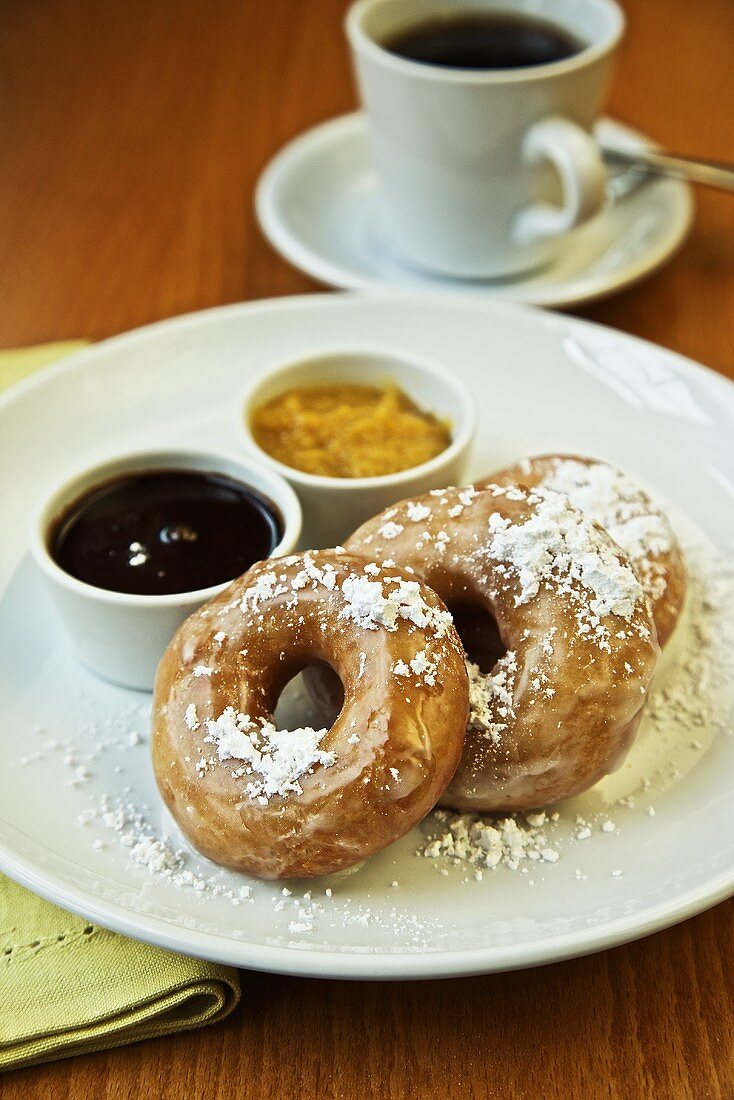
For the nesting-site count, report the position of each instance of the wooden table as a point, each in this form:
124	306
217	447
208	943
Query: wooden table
131	136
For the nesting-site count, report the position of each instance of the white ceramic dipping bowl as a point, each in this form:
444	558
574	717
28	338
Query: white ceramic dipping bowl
333	506
122	637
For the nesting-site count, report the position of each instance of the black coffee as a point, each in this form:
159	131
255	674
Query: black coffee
494	40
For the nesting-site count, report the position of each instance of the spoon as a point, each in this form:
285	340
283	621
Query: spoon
639	165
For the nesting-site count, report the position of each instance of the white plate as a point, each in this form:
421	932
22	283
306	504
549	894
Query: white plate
542	382
318	204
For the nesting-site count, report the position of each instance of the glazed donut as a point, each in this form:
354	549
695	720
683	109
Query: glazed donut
612	499
559	709
286	804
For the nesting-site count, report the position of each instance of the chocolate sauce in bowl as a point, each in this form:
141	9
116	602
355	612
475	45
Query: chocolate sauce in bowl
157	532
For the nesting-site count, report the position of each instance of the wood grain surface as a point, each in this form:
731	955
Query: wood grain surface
131	136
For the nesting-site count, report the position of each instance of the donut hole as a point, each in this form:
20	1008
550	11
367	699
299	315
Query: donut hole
479	635
314	696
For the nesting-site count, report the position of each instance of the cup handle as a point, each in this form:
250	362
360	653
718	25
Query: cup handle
576	157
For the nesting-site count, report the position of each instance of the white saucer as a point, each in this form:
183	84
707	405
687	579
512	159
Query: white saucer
318	204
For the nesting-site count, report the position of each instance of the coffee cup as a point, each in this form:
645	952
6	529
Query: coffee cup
485	171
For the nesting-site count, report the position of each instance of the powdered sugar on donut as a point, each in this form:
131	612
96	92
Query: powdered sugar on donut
312	573
266	587
381	603
276	759
610	498
416	511
391	530
491	697
555	546
422	666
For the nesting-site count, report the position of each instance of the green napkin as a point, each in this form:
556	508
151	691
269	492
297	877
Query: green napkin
68	987
19	362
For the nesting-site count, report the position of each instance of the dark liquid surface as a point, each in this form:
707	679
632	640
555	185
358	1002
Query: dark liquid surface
164	531
491	41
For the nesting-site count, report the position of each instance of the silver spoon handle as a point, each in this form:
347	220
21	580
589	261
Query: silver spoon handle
708	172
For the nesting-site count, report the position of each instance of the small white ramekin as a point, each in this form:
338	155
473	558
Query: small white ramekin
333	506
122	637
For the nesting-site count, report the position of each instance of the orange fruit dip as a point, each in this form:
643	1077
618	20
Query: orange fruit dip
340	430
